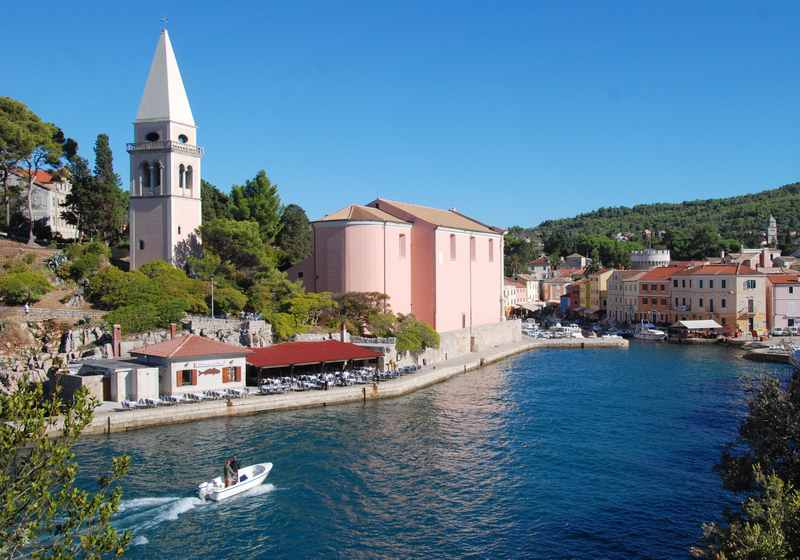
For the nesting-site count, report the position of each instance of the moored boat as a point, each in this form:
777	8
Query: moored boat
647	331
247	478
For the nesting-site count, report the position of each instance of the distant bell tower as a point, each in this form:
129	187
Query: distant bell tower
165	207
772	231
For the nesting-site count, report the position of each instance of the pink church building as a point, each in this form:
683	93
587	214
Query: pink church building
440	265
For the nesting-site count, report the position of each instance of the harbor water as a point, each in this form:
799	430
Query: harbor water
552	454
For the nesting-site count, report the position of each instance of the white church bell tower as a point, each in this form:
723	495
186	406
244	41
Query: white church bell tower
165	207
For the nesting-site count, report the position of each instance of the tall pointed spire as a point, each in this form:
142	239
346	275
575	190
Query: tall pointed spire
164	97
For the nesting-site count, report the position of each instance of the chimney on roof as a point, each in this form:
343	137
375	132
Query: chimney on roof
172	330
116	340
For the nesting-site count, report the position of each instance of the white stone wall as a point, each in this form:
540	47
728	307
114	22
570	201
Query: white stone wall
205	382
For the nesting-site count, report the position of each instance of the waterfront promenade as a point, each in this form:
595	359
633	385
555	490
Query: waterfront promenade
115	420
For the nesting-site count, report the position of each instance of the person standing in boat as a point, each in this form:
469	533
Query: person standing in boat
230	472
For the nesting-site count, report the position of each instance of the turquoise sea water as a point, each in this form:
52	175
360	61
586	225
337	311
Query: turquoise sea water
552	454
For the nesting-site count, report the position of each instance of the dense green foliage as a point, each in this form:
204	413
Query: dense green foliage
258	200
97	205
84	260
764	464
153	297
18	287
29	143
741	218
768	526
415	336
236	242
43	513
612	253
769	436
294	236
215	202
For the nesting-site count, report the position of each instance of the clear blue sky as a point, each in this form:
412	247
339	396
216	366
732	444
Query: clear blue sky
514	112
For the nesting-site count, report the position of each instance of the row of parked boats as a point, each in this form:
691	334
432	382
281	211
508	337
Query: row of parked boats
324	381
644	331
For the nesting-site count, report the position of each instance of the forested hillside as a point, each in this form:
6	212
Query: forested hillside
742	218
691	230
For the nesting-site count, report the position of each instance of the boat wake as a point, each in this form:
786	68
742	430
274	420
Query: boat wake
140	514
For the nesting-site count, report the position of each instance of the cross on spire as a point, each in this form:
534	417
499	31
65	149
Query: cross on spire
164	22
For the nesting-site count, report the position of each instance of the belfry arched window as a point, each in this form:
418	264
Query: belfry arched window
182	176
189	178
157	168
145	178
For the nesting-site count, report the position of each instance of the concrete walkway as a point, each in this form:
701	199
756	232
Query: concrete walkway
106	421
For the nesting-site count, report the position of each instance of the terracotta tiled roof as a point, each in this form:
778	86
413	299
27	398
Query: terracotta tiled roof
356	212
662	272
540	261
435	216
40	176
190	346
784	278
719	270
298	353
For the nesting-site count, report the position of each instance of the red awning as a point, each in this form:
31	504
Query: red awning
303	353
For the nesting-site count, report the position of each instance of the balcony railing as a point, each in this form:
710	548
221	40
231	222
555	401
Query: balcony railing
162	145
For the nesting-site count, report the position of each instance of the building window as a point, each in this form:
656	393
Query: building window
723	303
661	287
690	283
750	306
674	283
472	249
710	284
183	139
452	247
402	245
700	303
791	289
141	244
724	283
723	320
157	167
491	250
187	377
182	176
179	230
701	283
644	301
152	137
683	301
711	305
189	178
750	284
683	283
145	179
644	287
789	322
231	374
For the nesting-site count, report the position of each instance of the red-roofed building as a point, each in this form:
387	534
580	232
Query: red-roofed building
192	363
734	295
783	300
47	198
655	290
312	356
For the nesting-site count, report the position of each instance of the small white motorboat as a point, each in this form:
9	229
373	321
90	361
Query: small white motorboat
248	477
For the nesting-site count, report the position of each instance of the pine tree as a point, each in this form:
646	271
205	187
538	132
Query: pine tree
294	238
108	193
258	200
